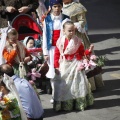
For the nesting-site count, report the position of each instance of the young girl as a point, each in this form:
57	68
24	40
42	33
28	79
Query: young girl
10	109
15	53
73	91
77	13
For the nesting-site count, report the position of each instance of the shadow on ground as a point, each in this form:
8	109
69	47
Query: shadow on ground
111	88
110	69
103	98
108	51
51	113
102	37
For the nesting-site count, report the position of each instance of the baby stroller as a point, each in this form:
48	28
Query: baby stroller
27	26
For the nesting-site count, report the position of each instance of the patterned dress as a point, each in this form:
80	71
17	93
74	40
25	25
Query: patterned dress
77	13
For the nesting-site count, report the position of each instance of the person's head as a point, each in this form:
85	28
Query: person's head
56	9
67	1
56	6
30	43
69	29
12	36
7	69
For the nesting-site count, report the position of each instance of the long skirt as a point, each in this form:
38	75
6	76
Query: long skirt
72	89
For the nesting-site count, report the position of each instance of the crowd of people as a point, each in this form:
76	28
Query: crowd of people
65	50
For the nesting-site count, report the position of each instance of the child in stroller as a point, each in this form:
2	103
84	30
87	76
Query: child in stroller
36	53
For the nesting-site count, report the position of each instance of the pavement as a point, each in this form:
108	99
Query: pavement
104	32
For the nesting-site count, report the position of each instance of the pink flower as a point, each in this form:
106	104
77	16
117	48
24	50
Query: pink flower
89	64
80	66
34	74
92	63
93	57
86	64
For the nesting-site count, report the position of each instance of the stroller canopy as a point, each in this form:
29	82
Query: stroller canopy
26	26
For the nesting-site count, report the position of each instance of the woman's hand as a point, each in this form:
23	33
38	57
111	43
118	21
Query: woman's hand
10	9
24	9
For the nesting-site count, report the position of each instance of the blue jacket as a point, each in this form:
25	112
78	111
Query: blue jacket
49	29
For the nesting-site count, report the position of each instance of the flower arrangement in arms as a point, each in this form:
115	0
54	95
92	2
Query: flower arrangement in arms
9	107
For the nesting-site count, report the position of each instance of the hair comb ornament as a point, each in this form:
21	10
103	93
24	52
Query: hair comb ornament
10	29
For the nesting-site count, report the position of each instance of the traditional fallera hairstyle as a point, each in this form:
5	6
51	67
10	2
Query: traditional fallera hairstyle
67	23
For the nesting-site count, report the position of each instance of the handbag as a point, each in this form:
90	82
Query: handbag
97	70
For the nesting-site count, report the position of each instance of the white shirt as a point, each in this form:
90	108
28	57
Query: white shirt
56	26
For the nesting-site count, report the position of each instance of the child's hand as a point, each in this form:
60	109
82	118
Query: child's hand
91	47
14	46
46	57
27	59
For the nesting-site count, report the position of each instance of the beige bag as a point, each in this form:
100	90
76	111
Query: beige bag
92	83
98	80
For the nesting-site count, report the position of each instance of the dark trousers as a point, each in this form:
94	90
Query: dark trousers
41	118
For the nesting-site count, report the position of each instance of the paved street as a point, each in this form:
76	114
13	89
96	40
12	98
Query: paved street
104	32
